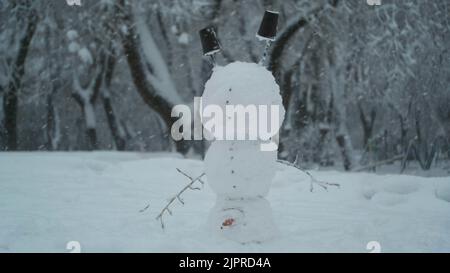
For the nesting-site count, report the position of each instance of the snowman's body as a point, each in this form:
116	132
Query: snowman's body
244	170
238	171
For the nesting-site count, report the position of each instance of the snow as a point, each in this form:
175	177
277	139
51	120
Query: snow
239	169
72	35
50	199
88	108
85	55
89	115
264	39
74	47
245	221
245	84
183	38
160	76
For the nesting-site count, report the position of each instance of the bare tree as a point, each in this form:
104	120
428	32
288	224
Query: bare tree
149	71
17	71
86	95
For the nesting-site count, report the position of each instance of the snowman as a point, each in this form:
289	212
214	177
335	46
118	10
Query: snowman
240	171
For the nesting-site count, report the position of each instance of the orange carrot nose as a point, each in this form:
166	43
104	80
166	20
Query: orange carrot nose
228	222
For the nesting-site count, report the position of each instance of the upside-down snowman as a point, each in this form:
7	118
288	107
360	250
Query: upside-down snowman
240	169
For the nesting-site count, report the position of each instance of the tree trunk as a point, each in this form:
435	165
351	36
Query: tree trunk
367	123
10	100
86	98
53	126
114	125
285	36
130	43
342	142
91	134
117	131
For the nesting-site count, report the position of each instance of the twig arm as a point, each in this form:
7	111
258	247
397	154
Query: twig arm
322	184
189	186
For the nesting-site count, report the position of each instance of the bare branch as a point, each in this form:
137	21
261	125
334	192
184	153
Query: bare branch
190	178
322	184
189	186
144	209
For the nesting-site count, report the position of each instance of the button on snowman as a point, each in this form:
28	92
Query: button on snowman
239	171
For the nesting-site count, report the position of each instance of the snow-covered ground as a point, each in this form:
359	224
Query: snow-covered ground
49	199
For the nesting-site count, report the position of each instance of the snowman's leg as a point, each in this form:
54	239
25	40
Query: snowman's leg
265	53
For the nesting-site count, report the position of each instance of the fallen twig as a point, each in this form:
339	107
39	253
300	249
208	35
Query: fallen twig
313	180
189	186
